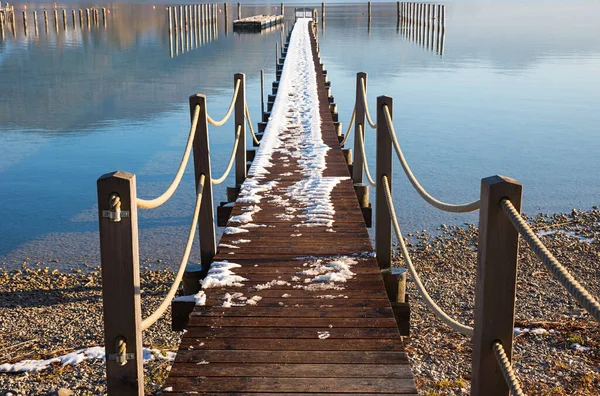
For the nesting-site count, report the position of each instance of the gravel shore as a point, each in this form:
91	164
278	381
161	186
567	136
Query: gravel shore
557	349
45	313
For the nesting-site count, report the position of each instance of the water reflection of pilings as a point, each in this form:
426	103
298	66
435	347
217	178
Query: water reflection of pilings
8	20
424	24
191	26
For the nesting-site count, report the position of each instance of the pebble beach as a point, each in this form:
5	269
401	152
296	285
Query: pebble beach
45	314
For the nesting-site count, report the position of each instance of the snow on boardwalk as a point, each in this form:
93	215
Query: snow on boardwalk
294	301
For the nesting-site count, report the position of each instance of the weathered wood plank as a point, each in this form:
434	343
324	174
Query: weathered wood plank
270	370
275	385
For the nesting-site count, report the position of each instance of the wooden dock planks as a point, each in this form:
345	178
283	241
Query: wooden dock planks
296	340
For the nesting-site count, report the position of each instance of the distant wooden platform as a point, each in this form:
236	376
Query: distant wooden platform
296	340
256	23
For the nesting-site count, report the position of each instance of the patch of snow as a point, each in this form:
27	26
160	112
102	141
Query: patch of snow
575	346
220	275
74	358
323	335
199	298
228	246
274	282
234	230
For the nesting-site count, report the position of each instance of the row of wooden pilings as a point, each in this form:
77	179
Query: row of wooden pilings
183	17
431	37
91	16
193	33
426	14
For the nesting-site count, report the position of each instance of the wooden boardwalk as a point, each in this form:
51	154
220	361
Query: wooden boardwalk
311	314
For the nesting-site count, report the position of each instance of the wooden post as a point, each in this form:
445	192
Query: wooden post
322	11
2	26
383	220
206	219
56	19
443	17
282	8
359	120
262	91
239	11
87	17
369	9
276	55
226	15
496	285
240	121
64	19
119	255
170	18
25	22
81	18
74	18
104	16
46	19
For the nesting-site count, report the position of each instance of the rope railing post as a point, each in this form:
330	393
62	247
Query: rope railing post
496	285
119	257
206	220
240	122
383	220
262	91
359	120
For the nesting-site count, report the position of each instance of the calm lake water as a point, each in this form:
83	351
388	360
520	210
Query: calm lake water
515	92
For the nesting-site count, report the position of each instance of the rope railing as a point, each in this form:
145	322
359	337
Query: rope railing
464	329
166	303
507	370
229	111
561	274
447	207
364	156
349	127
164	197
364	95
249	121
221	179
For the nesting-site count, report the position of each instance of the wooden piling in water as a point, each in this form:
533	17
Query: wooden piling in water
239	9
35	22
46	19
81	18
104	16
369	9
25	22
87	17
56	19
64	12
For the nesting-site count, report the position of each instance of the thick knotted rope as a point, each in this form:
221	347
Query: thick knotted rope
364	95
250	126
164	197
507	370
455	208
229	166
364	157
166	303
552	264
466	330
349	127
231	106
